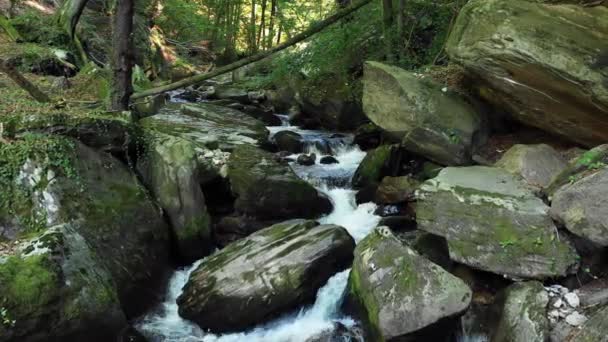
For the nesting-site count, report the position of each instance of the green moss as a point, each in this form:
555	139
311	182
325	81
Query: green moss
371	168
28	284
49	153
366	300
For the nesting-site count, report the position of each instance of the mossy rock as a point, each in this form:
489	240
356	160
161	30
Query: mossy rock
268	273
493	221
377	164
54	181
589	162
269	190
538	165
539	63
524	313
430	120
400	291
594	330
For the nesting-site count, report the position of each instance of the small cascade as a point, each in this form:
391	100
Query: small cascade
164	324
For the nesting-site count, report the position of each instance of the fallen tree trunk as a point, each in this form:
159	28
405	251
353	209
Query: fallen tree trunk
315	28
21	81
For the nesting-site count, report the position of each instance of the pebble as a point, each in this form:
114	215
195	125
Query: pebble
572	299
576	319
558	303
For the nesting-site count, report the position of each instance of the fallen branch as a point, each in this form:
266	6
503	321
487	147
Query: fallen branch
21	81
315	28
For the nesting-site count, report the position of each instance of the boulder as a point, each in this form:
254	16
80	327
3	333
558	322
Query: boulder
265	274
92	247
379	162
524	314
594	330
209	126
401	291
536	164
587	162
289	141
582	207
368	136
431	122
329	160
559	86
307	159
269	190
233	94
232	228
493	222
394	190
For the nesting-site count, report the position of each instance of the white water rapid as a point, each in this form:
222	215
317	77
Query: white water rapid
164	323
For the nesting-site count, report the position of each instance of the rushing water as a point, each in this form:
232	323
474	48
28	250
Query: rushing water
164	323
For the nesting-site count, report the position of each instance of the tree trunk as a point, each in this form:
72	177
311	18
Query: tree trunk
261	35
122	58
22	82
252	34
400	27
387	19
273	14
315	28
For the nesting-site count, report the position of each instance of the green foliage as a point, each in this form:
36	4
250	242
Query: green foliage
35	27
182	20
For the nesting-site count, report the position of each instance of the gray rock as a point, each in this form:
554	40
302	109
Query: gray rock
394	190
377	164
268	273
593	330
536	164
436	124
307	159
591	160
267	189
583	207
493	222
401	291
233	94
329	160
559	87
523	314
289	141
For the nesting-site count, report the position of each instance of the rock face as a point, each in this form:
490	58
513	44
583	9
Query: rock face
559	86
265	274
401	291
591	160
524	314
493	222
437	124
394	190
537	164
583	207
92	245
187	147
269	190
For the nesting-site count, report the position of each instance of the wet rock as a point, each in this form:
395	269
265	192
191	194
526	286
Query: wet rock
267	116
268	273
307	159
401	291
256	96
378	163
503	44
339	333
523	314
536	164
394	190
326	160
519	241
582	207
366	194
269	190
430	122
398	223
289	141
209	126
233	228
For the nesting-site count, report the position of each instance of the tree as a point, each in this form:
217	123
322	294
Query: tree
387	15
313	29
21	81
122	55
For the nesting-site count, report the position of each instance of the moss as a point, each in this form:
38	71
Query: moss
28	284
371	168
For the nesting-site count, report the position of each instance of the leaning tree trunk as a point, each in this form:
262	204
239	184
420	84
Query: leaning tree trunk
21	81
315	28
122	59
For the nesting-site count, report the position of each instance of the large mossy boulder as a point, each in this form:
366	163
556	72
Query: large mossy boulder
536	164
92	247
268	189
540	62
523	316
400	291
378	163
431	122
492	221
582	207
265	274
187	147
